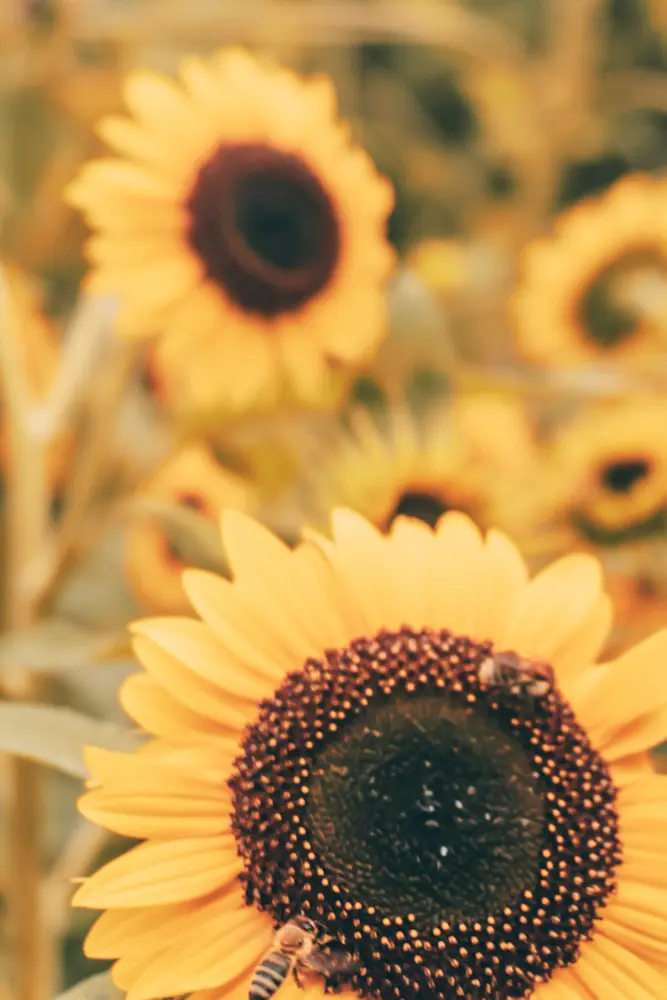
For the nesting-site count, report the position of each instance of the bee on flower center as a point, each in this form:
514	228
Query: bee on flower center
517	676
296	947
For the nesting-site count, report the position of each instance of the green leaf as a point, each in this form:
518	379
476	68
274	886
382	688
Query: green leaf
56	736
56	645
99	987
195	538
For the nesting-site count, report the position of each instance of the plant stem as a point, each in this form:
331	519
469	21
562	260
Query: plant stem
26	513
52	563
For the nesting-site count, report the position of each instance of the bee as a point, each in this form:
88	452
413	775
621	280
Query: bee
525	678
295	947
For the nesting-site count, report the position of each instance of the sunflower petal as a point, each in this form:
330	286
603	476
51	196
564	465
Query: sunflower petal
205	963
628	688
558	604
193	690
608	969
195	645
155	873
175	808
459	563
150	705
144	929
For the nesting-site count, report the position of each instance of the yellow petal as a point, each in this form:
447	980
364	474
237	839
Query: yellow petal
100	177
411	548
125	970
204	963
155	873
221	605
638	937
643	734
143	930
190	688
563	986
159	760
459	565
629	688
651	788
608	969
629	769
196	646
264	568
149	703
504	580
175	808
585	644
361	559
557	604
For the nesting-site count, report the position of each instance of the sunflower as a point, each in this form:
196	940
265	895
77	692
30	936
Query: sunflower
242	225
610	465
326	741
596	290
193	480
474	454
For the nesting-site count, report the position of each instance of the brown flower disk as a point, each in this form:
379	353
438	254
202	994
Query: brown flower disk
460	841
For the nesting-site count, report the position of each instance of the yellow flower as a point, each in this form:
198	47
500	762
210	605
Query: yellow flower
325	742
610	467
475	454
193	480
242	226
578	301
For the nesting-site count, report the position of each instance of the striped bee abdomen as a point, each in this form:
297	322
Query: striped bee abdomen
269	975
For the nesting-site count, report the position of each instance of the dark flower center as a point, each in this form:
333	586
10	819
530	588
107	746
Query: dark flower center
622	476
458	839
606	317
265	228
424	506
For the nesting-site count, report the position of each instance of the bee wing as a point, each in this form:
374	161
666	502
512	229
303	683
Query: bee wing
328	963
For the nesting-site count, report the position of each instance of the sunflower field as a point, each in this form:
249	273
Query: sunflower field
333	499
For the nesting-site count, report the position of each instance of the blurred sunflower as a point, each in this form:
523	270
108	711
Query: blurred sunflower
597	289
610	471
474	454
324	744
194	481
40	348
640	602
241	225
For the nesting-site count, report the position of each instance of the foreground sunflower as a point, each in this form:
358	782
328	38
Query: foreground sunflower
474	454
241	225
579	300
610	465
324	745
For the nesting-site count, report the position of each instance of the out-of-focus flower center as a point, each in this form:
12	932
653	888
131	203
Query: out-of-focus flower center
265	228
623	475
459	839
614	305
424	506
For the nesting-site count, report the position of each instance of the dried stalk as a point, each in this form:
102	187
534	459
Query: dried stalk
76	859
570	71
48	569
26	513
333	23
84	342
